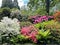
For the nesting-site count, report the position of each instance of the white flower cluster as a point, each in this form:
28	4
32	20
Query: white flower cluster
15	13
8	25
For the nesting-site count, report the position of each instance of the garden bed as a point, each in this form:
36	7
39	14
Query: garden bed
35	30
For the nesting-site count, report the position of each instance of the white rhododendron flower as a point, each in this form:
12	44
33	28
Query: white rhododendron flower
8	25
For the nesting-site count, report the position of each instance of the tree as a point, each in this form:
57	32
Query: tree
54	2
7	3
33	4
15	4
10	4
40	5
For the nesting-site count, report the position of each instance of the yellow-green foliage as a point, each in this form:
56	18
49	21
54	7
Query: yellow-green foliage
48	25
44	34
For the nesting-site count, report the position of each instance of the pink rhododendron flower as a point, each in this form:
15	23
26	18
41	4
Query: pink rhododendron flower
33	38
31	32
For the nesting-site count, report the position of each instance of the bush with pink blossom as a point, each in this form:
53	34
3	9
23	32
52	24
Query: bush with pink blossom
30	32
37	19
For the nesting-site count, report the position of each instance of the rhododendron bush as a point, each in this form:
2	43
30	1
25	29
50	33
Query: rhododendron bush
37	19
30	32
8	28
8	25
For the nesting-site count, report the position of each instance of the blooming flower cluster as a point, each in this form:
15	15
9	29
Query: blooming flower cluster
30	32
37	19
8	25
16	14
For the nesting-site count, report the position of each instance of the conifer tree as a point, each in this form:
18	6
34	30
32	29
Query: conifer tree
10	4
15	4
7	3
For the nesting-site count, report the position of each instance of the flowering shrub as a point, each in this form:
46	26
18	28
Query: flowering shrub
37	33
30	32
16	14
37	19
57	16
45	33
8	26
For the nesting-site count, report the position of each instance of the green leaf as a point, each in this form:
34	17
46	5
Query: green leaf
37	25
44	34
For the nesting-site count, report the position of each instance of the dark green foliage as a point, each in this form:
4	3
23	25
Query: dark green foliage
55	35
26	23
24	18
5	12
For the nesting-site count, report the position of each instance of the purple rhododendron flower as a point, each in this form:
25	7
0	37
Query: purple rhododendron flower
38	19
